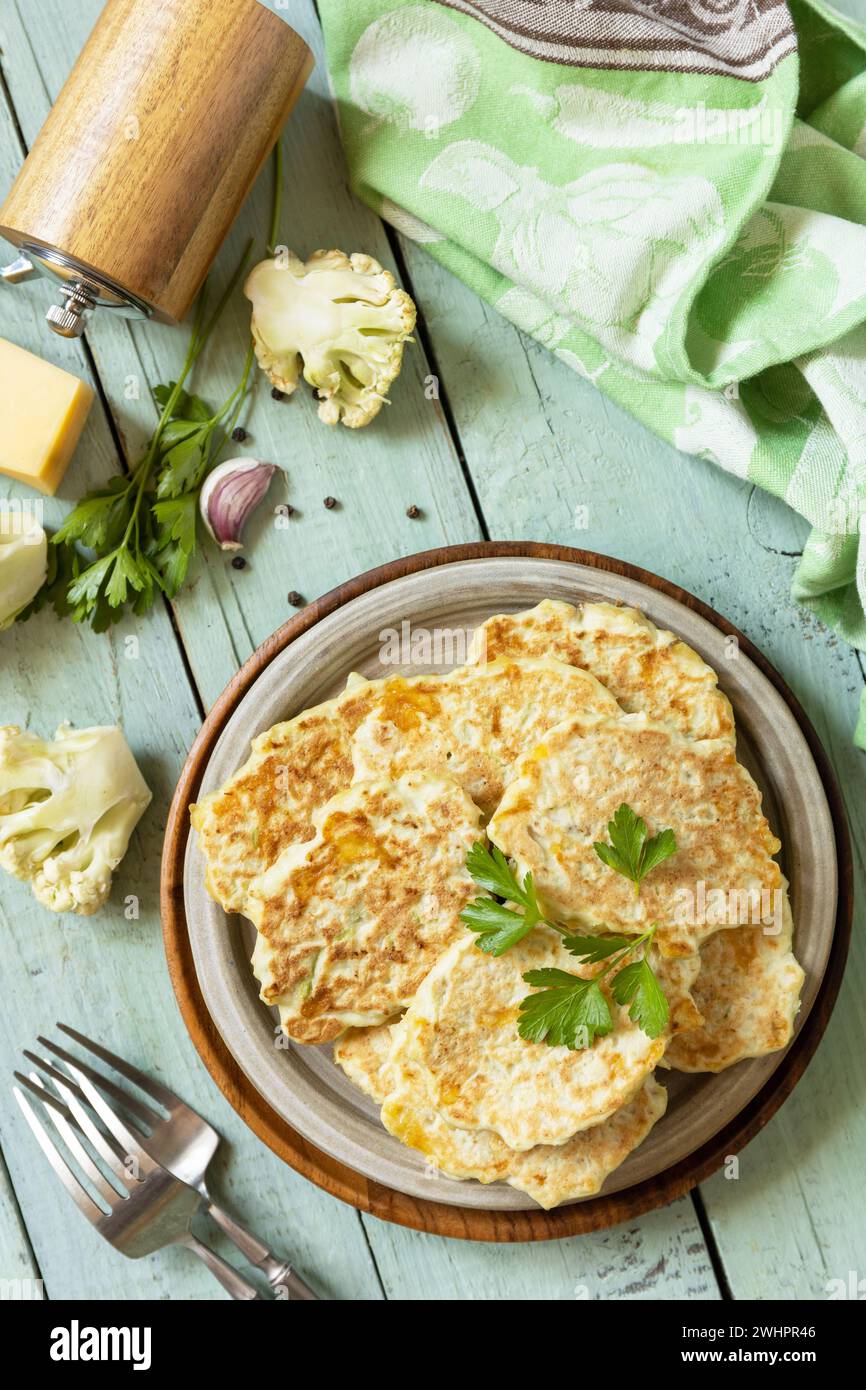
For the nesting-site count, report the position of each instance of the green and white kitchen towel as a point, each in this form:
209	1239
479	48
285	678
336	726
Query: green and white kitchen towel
669	194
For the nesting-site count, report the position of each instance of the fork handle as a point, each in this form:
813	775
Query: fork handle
232	1282
278	1273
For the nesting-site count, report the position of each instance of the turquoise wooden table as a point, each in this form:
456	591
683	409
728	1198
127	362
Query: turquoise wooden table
512	446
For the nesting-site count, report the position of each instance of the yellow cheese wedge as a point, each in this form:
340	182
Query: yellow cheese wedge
42	414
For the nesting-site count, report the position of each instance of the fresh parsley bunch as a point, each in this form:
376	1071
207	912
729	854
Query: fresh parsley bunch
141	528
568	1010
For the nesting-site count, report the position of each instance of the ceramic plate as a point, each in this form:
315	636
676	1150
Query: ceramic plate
303	1084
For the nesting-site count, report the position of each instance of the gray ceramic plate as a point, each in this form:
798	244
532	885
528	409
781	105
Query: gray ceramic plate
303	1084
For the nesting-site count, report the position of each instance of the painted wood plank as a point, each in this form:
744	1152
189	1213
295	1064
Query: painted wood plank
20	1277
552	460
106	975
662	1256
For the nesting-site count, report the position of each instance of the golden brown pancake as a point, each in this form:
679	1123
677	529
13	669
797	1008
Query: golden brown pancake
550	1173
268	804
350	922
363	1055
470	722
748	992
460	1031
570	786
474	721
644	667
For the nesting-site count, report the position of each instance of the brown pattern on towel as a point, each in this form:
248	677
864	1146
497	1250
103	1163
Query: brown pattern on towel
740	38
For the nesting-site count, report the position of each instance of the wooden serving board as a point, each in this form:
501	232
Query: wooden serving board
343	1181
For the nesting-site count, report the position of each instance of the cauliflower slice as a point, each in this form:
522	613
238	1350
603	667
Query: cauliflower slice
67	810
23	563
340	318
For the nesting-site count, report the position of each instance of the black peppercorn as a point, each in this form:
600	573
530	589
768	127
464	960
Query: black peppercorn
330	503
296	599
239	434
277	394
239	563
413	512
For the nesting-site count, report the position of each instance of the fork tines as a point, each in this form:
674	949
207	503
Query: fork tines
80	1116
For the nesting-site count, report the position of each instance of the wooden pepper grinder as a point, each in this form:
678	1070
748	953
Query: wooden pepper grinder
149	152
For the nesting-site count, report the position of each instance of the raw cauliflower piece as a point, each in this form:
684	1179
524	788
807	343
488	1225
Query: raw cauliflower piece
341	319
23	563
67	810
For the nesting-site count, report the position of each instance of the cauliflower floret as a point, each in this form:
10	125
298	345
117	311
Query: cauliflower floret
342	319
23	562
67	810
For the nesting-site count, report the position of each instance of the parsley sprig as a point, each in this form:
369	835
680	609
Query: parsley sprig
141	527
500	927
569	1010
630	852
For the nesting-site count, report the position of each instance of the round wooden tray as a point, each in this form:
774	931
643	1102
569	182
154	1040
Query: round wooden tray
342	1181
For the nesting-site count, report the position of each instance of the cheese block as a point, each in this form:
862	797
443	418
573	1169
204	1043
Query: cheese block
42	414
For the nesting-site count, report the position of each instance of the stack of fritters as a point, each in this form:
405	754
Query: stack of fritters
344	839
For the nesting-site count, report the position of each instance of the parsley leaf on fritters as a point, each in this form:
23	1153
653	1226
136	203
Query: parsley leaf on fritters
567	1011
499	927
637	985
630	853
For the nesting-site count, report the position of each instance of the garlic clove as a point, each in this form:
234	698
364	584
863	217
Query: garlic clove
229	495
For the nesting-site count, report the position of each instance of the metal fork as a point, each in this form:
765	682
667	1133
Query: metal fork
148	1208
182	1142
